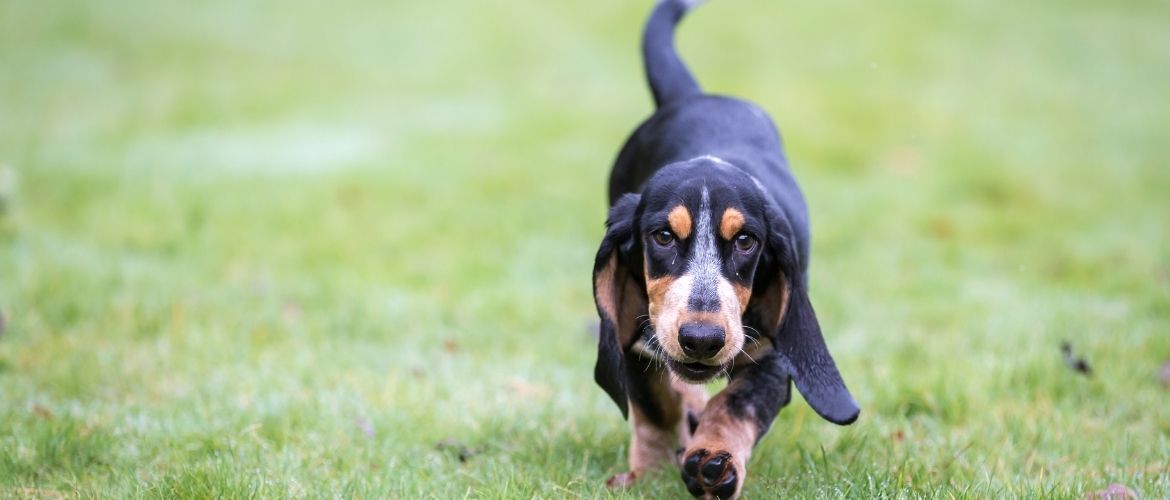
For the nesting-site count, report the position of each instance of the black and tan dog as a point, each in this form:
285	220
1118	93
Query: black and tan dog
702	273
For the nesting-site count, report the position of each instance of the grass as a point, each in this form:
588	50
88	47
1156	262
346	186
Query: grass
289	249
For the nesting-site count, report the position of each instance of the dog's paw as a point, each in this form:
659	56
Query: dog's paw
621	481
711	473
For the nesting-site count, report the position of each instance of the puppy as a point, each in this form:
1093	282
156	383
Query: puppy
702	274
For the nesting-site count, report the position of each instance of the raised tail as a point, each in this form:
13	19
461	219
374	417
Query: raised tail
668	76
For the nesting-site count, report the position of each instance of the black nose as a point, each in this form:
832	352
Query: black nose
699	340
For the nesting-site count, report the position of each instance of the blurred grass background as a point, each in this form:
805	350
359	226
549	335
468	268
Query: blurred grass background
304	249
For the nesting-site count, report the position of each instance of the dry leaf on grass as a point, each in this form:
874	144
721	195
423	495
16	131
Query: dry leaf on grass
42	412
898	436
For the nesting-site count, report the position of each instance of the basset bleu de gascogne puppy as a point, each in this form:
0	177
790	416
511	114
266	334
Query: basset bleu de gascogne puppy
702	274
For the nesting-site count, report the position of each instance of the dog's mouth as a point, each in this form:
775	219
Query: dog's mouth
694	372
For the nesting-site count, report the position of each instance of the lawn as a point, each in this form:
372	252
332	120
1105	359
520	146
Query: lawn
309	249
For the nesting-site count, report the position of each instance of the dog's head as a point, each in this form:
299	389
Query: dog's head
687	257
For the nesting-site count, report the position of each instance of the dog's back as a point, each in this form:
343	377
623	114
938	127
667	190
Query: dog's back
689	123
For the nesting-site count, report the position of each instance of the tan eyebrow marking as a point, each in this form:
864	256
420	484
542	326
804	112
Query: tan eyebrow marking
731	224
680	221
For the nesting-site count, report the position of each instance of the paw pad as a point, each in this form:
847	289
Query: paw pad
707	473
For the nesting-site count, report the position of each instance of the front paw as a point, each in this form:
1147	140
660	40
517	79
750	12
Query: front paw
710	473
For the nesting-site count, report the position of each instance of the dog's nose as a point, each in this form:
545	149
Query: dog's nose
699	340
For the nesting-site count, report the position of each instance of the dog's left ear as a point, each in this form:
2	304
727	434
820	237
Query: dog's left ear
798	334
620	296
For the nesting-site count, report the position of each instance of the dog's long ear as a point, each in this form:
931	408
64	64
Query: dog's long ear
798	334
620	295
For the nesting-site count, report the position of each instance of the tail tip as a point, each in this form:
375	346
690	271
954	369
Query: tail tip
685	4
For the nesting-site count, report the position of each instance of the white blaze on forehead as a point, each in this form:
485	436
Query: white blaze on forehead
705	263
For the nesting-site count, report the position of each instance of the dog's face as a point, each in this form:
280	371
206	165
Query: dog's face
701	230
699	251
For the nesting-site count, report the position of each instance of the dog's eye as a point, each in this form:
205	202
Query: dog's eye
663	238
745	243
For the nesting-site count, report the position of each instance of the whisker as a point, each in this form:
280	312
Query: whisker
749	356
659	349
758	334
653	355
754	339
645	323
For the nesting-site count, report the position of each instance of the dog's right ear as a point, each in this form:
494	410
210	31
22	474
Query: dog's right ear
620	295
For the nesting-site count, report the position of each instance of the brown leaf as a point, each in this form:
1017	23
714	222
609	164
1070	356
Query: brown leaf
942	228
898	436
42	412
450	346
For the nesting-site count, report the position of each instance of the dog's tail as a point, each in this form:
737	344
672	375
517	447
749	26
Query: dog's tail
669	78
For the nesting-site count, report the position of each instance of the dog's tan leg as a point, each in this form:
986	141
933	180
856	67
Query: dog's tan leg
694	400
662	413
714	464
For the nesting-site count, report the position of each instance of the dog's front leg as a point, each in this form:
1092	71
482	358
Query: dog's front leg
714	464
662	414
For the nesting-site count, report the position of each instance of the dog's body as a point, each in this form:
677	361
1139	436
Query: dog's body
702	273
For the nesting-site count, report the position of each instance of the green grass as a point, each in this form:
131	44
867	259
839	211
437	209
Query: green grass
305	249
